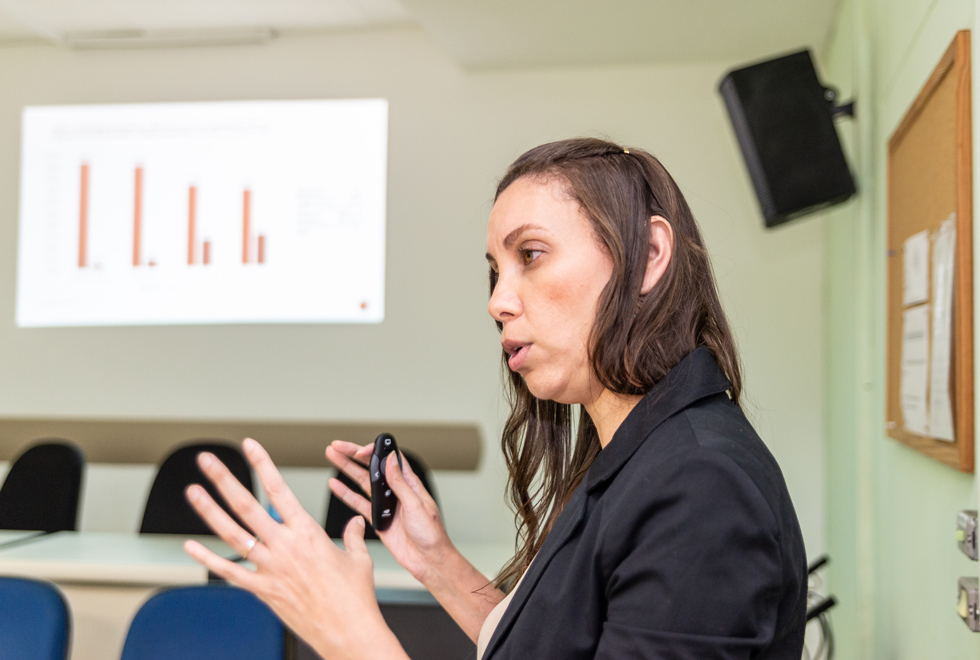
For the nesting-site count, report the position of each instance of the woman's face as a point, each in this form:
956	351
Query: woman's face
550	269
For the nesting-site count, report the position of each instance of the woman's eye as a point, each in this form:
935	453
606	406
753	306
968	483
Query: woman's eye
527	256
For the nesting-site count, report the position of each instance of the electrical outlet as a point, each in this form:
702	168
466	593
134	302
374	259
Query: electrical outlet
966	533
968	606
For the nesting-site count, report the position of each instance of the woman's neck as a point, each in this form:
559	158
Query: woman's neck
608	410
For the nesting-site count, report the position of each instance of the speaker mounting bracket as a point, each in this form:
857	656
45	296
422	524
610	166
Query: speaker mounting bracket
838	110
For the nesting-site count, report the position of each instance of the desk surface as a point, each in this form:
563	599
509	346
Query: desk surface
8	536
110	558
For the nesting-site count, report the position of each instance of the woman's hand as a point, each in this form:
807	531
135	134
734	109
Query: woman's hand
324	594
416	538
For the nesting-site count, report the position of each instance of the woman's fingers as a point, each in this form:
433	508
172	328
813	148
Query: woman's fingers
413	480
348	465
223	525
239	498
354	535
229	570
275	486
354	500
360	453
393	474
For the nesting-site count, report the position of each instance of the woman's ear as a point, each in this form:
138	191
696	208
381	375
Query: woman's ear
661	249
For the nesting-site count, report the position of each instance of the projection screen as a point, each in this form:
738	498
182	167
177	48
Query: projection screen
199	213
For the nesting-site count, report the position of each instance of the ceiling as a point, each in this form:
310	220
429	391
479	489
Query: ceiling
476	33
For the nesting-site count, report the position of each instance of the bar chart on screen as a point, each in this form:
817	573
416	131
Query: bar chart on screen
187	213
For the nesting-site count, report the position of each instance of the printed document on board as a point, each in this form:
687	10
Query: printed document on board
915	269
943	258
915	377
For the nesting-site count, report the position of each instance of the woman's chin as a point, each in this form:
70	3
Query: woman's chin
537	388
548	390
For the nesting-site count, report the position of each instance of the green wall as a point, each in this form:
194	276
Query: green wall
890	511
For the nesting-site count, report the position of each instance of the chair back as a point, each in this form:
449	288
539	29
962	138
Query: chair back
339	514
167	510
204	623
42	488
35	622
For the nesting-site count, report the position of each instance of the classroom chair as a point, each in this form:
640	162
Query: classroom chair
338	513
35	621
211	622
167	510
42	488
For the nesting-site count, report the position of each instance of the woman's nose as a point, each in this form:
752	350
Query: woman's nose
504	303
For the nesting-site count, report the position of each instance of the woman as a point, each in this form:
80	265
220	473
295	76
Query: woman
663	529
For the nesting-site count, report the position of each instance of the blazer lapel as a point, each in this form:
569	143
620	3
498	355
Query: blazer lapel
565	526
695	377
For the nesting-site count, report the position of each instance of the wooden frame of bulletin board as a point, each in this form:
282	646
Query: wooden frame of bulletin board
930	178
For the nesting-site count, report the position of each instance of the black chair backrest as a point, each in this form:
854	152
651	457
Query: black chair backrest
167	510
42	488
338	513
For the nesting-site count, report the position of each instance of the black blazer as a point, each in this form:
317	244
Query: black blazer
681	542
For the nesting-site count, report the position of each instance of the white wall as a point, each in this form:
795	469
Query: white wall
452	133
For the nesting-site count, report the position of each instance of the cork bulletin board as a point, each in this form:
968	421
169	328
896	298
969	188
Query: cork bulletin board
929	393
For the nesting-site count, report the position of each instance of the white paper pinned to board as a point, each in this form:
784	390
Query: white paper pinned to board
943	261
915	269
915	372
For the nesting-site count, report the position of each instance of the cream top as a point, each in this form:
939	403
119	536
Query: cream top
493	620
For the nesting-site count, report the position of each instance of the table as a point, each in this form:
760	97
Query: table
107	576
11	536
109	558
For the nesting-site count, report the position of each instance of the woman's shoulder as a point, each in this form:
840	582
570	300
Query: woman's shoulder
709	458
701	508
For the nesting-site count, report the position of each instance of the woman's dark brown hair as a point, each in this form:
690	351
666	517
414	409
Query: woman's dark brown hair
635	340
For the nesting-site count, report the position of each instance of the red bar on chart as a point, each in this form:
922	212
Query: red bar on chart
137	215
261	250
206	253
83	218
246	222
191	220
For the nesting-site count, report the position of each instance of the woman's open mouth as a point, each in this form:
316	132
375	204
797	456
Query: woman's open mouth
518	355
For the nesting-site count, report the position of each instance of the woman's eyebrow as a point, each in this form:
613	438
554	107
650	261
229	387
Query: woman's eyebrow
514	235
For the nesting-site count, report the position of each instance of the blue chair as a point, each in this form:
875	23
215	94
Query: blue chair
207	623
35	622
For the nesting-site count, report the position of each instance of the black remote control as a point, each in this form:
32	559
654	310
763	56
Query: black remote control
383	501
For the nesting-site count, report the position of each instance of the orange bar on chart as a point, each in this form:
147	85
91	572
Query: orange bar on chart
246	222
83	218
206	253
191	220
137	215
261	251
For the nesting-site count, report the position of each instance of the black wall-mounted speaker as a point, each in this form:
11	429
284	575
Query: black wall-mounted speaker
784	121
